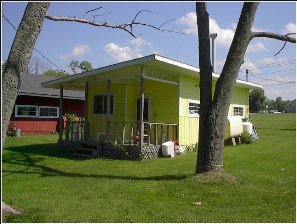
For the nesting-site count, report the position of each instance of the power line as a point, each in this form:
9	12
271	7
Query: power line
34	47
281	83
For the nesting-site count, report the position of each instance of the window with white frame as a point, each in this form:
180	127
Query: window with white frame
48	112
100	104
194	108
26	111
238	111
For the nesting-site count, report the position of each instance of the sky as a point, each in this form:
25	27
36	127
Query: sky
62	42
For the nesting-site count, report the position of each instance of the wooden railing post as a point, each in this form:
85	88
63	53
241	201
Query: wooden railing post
141	108
132	132
123	134
156	134
116	132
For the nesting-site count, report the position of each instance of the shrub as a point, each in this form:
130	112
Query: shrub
246	138
70	117
10	129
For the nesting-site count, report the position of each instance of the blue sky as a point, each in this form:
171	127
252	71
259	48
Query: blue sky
62	42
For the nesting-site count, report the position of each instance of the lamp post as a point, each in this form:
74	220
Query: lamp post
213	37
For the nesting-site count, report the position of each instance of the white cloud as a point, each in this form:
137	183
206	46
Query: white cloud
249	65
258	46
224	38
80	50
77	51
190	23
119	53
290	28
135	49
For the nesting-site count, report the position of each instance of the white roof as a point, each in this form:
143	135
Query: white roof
131	70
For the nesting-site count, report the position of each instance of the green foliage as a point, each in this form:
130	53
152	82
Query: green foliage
70	117
256	100
246	138
47	184
83	66
11	129
56	73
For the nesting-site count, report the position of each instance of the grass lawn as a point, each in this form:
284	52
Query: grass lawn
50	186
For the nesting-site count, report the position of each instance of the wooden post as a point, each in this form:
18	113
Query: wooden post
167	135
116	132
162	139
132	132
141	107
123	134
149	134
156	134
86	124
61	122
108	111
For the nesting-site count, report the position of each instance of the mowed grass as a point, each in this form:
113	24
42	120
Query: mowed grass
50	186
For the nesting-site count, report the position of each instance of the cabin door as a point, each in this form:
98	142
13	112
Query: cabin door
145	110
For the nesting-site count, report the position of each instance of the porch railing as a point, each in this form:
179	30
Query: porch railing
154	133
76	131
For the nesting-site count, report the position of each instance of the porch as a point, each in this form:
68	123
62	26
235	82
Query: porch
121	140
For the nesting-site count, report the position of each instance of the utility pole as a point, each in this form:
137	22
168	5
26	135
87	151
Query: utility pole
247	75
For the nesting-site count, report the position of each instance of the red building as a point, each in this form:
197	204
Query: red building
36	110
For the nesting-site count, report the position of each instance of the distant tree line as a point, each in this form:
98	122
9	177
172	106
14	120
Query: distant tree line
39	67
259	102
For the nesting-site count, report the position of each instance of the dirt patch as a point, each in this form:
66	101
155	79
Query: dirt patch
215	177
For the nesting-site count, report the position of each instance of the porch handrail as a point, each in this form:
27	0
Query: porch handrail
125	132
76	131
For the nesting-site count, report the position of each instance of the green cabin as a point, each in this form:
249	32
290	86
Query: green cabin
147	100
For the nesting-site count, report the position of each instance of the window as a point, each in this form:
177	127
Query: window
238	111
26	111
194	108
100	104
48	112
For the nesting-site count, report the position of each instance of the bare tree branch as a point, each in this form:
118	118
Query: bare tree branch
124	26
281	48
275	36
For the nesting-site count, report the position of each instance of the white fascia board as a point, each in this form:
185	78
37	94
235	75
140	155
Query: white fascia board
98	71
176	63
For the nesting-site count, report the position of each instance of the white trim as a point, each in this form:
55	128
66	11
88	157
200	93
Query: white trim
160	80
113	105
141	61
57	108
239	106
196	102
30	116
51	96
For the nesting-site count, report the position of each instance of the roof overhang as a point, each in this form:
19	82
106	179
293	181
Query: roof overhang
131	71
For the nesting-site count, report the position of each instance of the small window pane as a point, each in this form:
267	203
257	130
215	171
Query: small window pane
100	104
48	112
26	111
194	108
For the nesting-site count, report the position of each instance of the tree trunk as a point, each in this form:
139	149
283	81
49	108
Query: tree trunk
214	125
19	57
202	164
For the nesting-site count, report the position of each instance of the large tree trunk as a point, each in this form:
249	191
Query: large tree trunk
202	164
211	142
19	57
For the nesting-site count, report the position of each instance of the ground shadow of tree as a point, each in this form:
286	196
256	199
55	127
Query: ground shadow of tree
26	157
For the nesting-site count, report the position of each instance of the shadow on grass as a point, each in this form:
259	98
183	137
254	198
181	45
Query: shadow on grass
288	129
26	157
49	150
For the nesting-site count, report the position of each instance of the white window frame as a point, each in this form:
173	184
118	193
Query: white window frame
238	106
16	111
195	114
112	101
48	116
